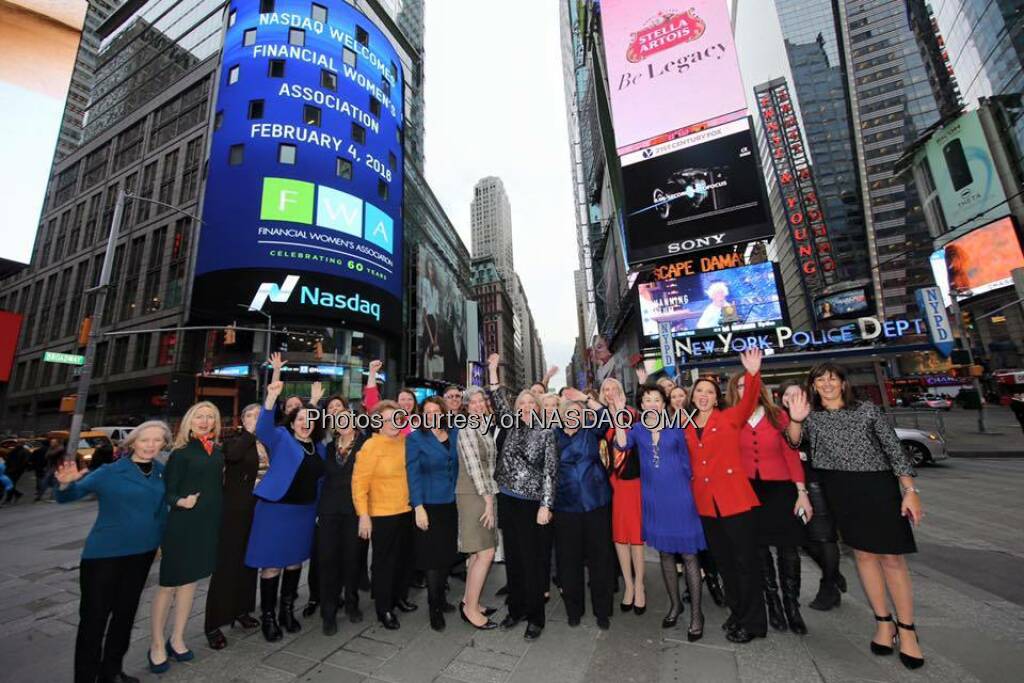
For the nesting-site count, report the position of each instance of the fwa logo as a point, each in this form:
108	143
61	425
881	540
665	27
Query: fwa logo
296	201
313	296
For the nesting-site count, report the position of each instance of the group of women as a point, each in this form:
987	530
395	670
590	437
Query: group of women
712	497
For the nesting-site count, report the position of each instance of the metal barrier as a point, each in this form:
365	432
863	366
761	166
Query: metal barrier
927	420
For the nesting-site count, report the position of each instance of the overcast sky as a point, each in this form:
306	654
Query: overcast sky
495	106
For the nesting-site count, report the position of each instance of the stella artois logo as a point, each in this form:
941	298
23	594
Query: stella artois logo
663	32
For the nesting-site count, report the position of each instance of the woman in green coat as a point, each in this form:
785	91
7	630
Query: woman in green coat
194	479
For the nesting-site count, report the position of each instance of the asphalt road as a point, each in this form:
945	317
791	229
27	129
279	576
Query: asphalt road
967	581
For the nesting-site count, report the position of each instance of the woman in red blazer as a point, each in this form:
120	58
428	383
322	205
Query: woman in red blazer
777	476
725	499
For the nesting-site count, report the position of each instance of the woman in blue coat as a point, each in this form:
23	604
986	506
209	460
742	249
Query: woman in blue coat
282	528
583	511
119	550
432	464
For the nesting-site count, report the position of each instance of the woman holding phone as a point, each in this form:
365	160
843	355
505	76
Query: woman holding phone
869	483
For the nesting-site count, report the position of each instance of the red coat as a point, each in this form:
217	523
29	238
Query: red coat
720	484
766	453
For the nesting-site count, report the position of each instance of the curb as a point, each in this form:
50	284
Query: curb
986	454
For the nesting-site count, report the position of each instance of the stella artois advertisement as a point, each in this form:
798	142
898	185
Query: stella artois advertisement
672	69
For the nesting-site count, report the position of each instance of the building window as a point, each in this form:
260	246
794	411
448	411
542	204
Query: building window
255	109
386	87
99	366
266	6
344	168
131	278
392	161
296	36
358	133
329	80
236	155
233	75
129	146
348	56
218	120
120	360
190	176
249	37
141	360
151	286
232	18
286	153
382	189
362	37
375	106
311	115
319	13
276	68
169	173
166	348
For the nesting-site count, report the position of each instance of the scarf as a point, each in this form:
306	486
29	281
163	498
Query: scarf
207	442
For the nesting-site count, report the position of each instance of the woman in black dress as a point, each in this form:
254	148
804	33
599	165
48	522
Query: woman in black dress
868	481
339	547
232	594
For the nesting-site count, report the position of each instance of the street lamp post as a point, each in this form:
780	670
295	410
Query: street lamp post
270	334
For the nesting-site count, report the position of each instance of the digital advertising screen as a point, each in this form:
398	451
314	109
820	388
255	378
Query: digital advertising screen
734	299
852	303
302	212
40	40
964	173
670	66
698	193
441	323
980	261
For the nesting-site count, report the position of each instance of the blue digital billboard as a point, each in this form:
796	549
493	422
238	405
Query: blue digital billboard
302	212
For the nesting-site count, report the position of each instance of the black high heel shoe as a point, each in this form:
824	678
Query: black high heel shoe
487	625
216	639
671	619
908	661
879	649
625	607
693	635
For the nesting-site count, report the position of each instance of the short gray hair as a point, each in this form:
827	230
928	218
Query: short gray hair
129	441
252	406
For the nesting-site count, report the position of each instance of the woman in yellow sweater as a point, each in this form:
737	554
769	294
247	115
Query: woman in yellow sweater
380	493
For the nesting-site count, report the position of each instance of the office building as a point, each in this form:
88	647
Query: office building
491	224
497	316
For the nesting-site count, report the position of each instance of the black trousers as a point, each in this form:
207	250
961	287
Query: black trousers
733	543
391	567
338	550
524	558
585	539
111	588
313	575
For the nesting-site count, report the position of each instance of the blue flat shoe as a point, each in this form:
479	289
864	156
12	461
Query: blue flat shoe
158	668
186	656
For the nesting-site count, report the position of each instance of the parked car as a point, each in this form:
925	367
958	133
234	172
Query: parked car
932	401
116	434
922	447
88	442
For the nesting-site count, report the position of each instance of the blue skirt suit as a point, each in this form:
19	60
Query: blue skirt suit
670	520
284	520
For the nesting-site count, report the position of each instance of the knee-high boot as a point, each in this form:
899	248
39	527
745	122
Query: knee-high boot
771	590
289	593
789	568
268	604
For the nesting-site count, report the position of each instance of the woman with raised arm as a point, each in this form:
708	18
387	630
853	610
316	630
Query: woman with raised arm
475	490
583	512
380	495
526	471
774	470
869	483
285	517
670	521
232	593
194	477
338	544
432	464
627	516
725	499
822	539
406	398
119	550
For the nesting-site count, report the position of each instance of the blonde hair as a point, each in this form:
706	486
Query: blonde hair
133	436
185	430
613	382
526	393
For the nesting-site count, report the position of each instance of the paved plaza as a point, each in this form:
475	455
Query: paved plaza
967	581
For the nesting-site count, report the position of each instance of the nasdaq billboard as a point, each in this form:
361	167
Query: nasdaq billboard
302	212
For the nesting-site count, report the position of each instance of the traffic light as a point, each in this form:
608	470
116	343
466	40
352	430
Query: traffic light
229	335
84	330
967	319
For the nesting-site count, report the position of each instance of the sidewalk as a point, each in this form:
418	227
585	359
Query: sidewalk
969	633
1003	437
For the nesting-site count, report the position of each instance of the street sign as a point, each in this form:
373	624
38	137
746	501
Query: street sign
933	308
668	357
65	358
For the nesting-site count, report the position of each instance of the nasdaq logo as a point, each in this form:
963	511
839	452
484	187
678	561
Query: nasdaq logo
296	201
270	290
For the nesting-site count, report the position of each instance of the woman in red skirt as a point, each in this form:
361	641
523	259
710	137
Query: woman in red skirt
624	467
